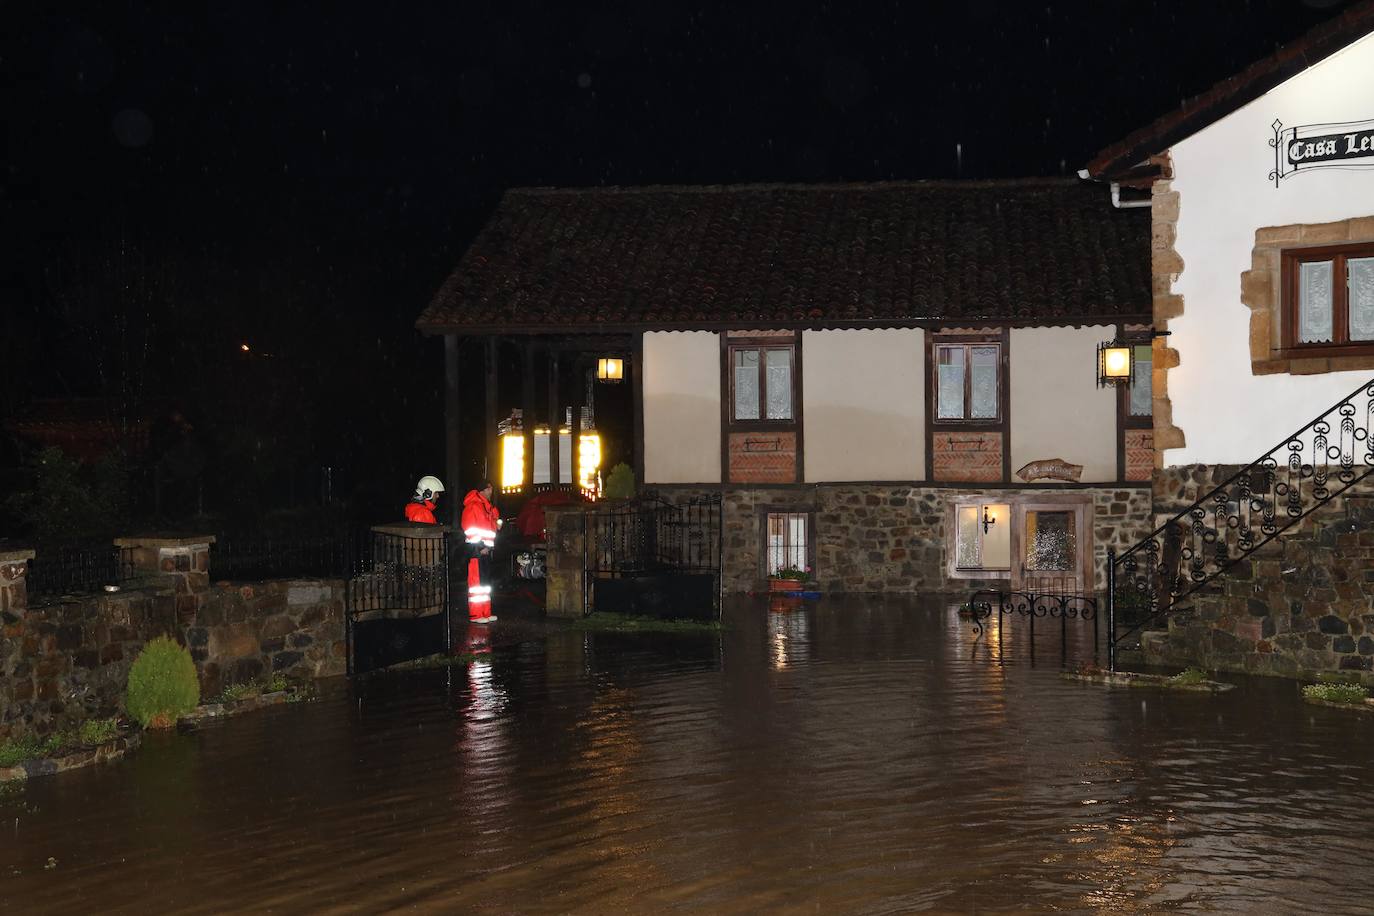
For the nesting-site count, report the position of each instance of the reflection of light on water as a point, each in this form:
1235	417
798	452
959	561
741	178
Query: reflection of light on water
788	629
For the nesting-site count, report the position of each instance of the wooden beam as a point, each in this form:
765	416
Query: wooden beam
493	442
555	420
637	377
579	370
452	411
527	415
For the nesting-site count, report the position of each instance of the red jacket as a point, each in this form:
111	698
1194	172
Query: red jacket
421	512
480	519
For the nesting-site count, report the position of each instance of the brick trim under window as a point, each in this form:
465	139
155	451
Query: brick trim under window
761	450
1264	289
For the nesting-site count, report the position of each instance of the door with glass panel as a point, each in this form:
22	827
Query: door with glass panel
1052	549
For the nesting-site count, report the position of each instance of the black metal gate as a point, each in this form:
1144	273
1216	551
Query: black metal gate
654	558
399	600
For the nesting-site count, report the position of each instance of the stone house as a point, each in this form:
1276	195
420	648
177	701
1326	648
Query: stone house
895	384
1261	197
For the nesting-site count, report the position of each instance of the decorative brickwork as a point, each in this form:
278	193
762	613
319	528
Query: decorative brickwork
1140	454
763	457
967	457
1261	290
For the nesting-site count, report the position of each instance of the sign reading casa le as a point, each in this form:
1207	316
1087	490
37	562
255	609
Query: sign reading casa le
1348	145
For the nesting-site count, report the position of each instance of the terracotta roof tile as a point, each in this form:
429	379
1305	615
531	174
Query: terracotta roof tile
1033	250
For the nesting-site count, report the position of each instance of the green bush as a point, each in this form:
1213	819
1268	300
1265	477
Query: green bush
96	731
162	684
620	483
1335	693
1189	676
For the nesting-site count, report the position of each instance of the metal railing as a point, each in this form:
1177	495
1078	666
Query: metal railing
76	568
333	553
1305	471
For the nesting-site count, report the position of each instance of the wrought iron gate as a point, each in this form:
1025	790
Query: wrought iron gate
652	557
399	599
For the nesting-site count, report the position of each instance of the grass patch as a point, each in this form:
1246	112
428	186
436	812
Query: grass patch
623	623
1335	693
1189	677
235	692
88	734
276	683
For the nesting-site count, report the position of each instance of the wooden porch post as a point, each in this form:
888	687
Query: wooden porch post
555	421
576	438
493	442
637	379
527	415
452	409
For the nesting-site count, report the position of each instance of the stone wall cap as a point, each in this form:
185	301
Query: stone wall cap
413	529
164	540
15	554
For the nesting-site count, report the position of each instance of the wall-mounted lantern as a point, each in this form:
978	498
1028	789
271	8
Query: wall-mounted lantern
989	519
610	369
1115	363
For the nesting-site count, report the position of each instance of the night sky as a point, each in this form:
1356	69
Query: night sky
305	181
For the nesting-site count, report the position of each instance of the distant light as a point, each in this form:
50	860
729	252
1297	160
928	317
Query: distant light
243	347
610	369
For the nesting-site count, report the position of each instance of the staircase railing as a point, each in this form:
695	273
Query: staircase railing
1252	507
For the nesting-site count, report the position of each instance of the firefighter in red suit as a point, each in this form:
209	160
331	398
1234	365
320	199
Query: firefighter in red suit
421	505
480	521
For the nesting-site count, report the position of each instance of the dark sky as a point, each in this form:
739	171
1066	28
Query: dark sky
310	172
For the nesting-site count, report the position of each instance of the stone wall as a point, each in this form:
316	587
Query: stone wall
69	659
867	538
1301	605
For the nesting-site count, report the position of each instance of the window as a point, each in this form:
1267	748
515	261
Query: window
1139	395
1329	297
761	383
982	537
968	382
786	546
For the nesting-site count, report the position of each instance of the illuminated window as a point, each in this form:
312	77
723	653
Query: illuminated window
982	537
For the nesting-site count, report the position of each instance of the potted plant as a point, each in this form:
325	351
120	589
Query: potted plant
789	579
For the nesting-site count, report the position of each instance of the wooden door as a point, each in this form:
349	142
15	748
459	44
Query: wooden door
1052	547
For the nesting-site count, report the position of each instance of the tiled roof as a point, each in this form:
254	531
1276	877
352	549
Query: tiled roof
1233	93
1028	251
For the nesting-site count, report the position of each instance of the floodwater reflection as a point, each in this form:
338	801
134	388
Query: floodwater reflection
852	756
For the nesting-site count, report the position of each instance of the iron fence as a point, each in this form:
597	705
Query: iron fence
334	553
76	568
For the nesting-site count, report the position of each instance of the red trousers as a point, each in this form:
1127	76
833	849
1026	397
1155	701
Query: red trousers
479	595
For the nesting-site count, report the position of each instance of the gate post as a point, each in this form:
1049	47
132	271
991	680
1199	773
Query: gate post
1111	609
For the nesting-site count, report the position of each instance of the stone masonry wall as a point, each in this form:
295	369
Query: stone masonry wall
891	538
69	659
1301	605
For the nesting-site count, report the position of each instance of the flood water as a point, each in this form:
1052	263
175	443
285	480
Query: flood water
861	756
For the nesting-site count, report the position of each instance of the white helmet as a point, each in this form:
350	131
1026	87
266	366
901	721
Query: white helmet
428	488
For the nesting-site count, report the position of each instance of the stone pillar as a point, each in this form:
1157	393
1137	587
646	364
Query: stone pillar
185	560
14	595
564	595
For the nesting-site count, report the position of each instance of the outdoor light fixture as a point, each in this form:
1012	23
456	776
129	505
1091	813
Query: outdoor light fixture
610	369
988	519
243	347
1115	363
588	463
512	461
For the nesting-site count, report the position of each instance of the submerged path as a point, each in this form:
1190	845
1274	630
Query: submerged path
852	756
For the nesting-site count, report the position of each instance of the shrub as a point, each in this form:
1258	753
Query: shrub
1335	693
96	731
162	684
620	483
1189	676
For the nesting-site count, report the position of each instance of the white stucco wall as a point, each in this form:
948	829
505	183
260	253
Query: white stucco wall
681	407
1057	410
863	397
1227	414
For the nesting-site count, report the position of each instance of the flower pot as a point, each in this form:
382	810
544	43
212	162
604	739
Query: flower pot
785	585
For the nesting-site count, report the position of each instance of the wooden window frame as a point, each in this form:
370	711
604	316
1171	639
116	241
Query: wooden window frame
762	422
968	342
764	512
1291	260
952	568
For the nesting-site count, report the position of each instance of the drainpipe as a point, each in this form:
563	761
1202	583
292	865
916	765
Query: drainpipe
1116	194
